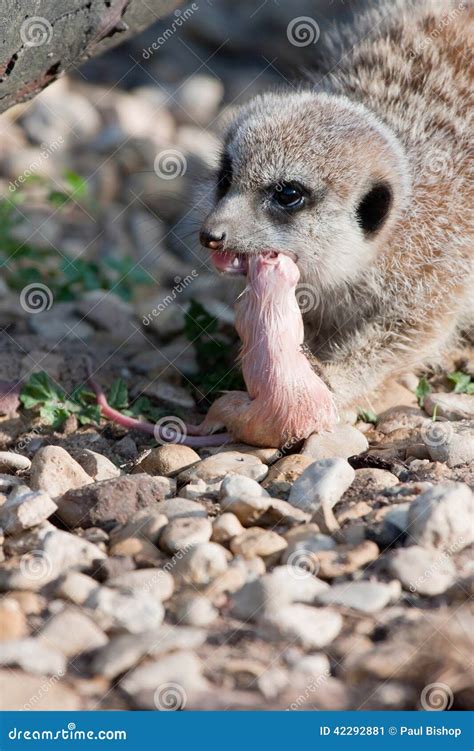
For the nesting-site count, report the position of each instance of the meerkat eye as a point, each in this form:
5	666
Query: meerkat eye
288	195
374	208
224	177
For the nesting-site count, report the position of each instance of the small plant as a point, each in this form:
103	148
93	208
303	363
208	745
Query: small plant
142	407
367	415
215	357
55	406
463	383
67	278
422	391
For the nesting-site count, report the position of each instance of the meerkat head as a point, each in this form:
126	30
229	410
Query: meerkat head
310	175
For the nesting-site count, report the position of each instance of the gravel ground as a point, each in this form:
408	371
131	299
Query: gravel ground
156	577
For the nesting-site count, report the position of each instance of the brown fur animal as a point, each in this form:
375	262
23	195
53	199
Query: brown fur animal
367	179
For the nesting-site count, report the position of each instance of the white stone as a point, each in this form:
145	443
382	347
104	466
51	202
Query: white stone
33	656
97	466
124	611
443	517
344	441
24	509
216	467
312	628
71	632
236	486
365	596
76	587
322	483
225	527
421	570
55	471
182	534
124	651
283	586
155	582
172	679
195	610
202	564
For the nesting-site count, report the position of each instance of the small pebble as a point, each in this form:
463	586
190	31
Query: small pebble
312	628
344	441
182	534
258	542
202	564
226	527
55	471
364	596
321	484
9	460
216	467
427	572
195	610
167	460
442	517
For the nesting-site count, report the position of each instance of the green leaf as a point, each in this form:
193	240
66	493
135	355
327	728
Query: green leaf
118	395
463	383
367	415
54	406
58	198
54	415
40	389
422	390
76	183
89	415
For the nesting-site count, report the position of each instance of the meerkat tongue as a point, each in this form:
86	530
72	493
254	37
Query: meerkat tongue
231	263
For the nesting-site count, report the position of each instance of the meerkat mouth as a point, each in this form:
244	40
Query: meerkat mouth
237	263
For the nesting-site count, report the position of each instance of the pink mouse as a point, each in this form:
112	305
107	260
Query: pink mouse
285	400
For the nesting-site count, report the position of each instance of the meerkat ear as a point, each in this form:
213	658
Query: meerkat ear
374	208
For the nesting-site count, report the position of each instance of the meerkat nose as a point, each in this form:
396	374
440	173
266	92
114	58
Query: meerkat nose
212	239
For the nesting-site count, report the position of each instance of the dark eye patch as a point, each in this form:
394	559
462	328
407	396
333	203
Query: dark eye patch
224	176
374	208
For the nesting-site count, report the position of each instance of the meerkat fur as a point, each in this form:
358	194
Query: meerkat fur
380	148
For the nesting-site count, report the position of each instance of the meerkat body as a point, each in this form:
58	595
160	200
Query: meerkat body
367	180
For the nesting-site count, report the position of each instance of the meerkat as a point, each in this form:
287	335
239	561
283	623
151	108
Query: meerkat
366	180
